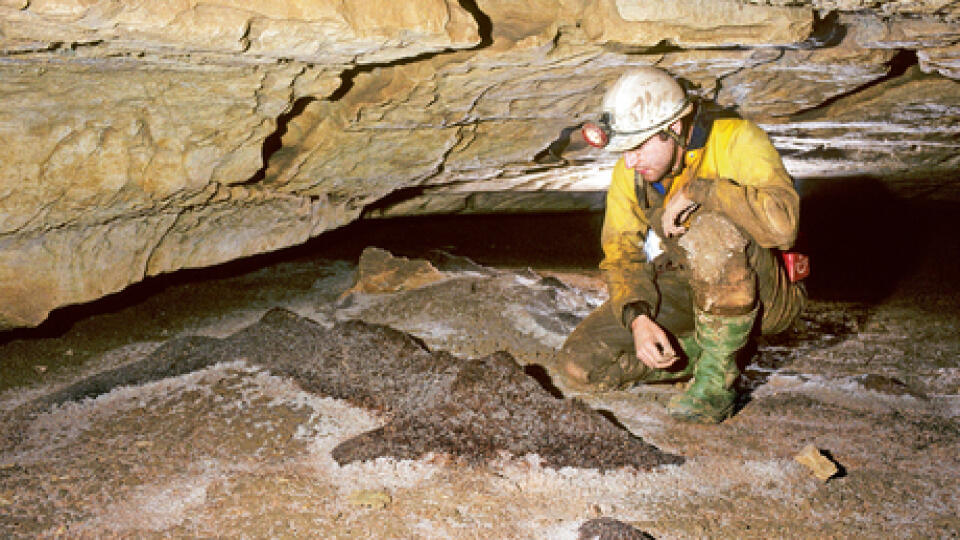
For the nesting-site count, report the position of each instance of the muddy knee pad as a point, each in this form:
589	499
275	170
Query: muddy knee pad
721	277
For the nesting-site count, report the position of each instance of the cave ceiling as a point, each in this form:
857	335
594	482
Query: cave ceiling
145	137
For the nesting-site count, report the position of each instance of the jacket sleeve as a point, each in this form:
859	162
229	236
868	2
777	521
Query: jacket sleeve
629	277
753	189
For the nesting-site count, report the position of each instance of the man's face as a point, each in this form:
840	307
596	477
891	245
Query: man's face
653	159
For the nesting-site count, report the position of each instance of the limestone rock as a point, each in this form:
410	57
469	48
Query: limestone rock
321	32
146	137
87	145
885	7
943	60
607	528
874	31
800	79
379	272
694	22
812	458
370	498
905	124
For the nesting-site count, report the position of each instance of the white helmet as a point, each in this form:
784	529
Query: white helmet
643	102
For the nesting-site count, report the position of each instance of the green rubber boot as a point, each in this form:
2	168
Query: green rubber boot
710	399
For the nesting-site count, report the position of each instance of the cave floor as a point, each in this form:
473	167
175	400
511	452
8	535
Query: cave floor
871	377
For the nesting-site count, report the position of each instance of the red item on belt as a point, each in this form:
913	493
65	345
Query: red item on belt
798	265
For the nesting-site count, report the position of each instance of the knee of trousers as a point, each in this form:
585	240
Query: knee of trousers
587	351
720	274
596	343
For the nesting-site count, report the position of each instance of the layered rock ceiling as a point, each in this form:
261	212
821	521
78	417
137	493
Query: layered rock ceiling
142	137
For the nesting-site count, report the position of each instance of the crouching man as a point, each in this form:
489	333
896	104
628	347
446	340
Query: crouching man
697	210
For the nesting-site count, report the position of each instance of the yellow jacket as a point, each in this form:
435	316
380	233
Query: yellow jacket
730	167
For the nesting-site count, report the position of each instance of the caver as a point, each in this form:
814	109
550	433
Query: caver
698	213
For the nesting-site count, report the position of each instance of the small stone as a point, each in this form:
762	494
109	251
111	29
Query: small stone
885	385
812	458
379	271
598	510
143	444
607	528
370	498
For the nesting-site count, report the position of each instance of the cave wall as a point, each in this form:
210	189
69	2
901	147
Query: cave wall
145	137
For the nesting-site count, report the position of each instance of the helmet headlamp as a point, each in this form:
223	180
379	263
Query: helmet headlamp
597	134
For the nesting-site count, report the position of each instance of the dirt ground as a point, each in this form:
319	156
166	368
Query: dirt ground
870	375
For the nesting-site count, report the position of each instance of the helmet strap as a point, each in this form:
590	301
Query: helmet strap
676	166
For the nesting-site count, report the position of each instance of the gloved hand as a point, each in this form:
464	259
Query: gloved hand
676	212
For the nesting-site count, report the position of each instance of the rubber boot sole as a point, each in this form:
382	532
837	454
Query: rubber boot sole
698	414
